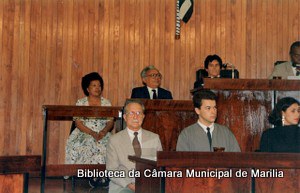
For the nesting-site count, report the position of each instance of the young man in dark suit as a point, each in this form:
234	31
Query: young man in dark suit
151	78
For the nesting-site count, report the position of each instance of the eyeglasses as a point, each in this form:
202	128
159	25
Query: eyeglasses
132	113
158	75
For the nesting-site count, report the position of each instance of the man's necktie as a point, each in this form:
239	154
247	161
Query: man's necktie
209	137
154	94
136	145
297	66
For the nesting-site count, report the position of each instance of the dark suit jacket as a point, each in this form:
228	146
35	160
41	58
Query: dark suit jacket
142	92
281	139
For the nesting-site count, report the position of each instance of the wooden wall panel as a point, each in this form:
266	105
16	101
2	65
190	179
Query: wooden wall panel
2	108
13	183
46	47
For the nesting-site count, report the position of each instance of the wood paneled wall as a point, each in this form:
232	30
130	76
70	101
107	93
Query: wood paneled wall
46	46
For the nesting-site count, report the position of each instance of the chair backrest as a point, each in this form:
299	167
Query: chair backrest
278	62
202	73
228	74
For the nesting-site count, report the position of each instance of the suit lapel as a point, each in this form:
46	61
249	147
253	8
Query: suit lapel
148	146
289	69
127	142
159	93
145	92
145	137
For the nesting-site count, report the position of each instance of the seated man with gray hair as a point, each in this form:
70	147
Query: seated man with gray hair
134	140
151	78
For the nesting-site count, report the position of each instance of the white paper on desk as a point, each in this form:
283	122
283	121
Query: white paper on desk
293	77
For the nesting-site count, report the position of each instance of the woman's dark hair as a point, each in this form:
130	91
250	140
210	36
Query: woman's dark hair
211	58
275	117
87	79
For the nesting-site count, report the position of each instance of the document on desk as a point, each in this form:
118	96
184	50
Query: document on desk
293	77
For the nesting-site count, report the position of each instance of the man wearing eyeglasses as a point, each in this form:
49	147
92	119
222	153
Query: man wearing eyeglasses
131	141
151	78
290	68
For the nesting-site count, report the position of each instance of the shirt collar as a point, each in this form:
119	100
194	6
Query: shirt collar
151	92
204	127
294	68
131	134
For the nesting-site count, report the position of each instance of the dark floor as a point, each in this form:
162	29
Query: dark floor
59	185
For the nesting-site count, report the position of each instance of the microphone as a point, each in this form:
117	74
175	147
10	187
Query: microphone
229	66
232	71
224	65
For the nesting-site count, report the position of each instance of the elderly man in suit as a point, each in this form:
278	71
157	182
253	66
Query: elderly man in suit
206	134
131	141
290	68
151	78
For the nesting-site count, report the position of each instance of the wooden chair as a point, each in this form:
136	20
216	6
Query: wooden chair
202	73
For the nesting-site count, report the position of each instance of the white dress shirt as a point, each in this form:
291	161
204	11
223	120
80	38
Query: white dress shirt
204	127
131	135
151	92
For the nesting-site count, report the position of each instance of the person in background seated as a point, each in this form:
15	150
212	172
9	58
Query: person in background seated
87	143
289	68
134	140
285	136
151	78
206	134
213	65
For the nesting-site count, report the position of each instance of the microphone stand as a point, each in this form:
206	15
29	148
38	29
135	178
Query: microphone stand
232	71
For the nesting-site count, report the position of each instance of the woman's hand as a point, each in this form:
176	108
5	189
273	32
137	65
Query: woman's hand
131	187
105	130
85	129
101	134
94	134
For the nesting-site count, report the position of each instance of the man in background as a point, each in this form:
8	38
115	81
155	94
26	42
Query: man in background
151	78
289	68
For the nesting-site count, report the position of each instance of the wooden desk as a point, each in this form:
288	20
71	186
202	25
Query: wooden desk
168	118
276	163
14	172
245	104
64	113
